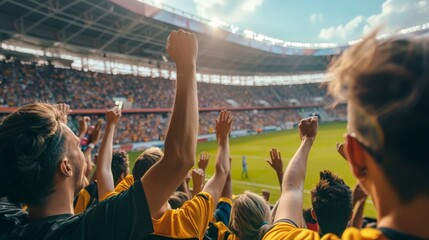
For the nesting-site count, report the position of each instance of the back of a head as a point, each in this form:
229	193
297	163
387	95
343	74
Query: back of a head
145	161
386	84
177	199
32	143
332	202
119	165
250	216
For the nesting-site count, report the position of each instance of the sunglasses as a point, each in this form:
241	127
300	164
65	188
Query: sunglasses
374	154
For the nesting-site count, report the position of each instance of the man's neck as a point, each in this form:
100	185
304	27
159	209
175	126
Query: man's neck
408	218
59	202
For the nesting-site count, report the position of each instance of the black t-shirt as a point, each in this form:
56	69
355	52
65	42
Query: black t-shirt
124	216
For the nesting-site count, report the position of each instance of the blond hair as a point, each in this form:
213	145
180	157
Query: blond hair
386	85
250	216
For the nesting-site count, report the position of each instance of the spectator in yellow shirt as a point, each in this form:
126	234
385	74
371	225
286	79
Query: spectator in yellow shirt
386	86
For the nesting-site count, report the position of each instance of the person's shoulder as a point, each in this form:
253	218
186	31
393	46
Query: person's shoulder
225	200
125	184
286	229
364	234
218	230
11	217
45	228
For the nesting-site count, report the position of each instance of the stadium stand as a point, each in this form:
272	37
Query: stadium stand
90	55
25	83
92	90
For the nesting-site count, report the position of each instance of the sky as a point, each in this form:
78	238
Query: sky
312	21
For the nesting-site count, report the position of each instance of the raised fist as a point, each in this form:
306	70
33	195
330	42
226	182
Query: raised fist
113	115
308	127
182	47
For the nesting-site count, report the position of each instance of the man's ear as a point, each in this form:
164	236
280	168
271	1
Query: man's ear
356	157
313	214
65	168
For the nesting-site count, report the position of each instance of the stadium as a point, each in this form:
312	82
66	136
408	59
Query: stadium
97	54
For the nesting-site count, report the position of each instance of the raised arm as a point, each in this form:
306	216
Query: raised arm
341	150
227	187
181	137
65	110
290	205
197	181
88	151
203	163
184	186
216	183
83	126
103	171
277	164
359	198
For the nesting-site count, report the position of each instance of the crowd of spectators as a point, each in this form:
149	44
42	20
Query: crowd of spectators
25	83
52	188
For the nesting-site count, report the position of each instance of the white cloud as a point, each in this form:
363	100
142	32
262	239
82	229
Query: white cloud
316	17
204	5
341	32
250	5
228	11
394	15
399	14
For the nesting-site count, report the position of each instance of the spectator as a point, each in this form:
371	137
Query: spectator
386	85
332	204
36	137
88	196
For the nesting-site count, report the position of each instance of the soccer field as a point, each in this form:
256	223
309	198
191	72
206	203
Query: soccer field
261	176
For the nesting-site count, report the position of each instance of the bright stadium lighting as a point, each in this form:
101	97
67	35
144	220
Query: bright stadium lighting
248	34
234	29
216	23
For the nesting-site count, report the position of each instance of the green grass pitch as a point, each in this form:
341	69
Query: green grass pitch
261	176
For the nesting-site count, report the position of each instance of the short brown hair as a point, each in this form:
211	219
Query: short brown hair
145	161
387	84
32	143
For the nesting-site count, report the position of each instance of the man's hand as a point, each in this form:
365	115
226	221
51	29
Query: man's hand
204	160
198	180
341	150
223	127
182	47
266	194
308	128
359	194
188	177
96	133
276	160
83	126
112	116
65	110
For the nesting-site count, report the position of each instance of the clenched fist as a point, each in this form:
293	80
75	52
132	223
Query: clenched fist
182	47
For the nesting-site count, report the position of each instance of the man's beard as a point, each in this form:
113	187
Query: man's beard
79	181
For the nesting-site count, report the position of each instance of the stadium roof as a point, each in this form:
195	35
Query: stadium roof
103	27
128	29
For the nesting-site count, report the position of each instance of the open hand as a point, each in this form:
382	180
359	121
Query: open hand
204	160
223	126
276	160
